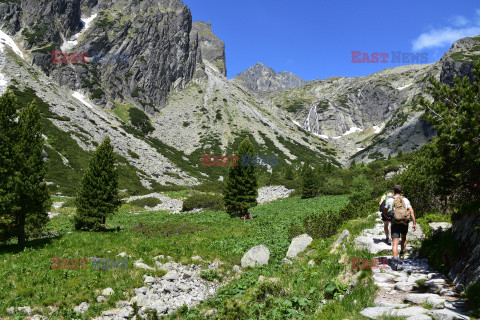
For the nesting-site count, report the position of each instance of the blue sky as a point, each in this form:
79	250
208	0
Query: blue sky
314	39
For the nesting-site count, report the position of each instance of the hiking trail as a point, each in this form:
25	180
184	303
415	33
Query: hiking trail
415	290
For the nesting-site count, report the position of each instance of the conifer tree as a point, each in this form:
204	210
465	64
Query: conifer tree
24	198
8	177
288	174
241	184
34	198
309	182
97	198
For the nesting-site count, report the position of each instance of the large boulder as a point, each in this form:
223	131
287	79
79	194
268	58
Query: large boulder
299	244
440	226
258	255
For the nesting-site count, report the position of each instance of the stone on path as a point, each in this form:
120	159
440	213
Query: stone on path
258	255
299	244
419	317
408	312
383	277
404	286
447	314
418	298
375	312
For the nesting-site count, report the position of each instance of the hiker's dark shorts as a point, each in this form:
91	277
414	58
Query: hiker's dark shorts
398	229
388	218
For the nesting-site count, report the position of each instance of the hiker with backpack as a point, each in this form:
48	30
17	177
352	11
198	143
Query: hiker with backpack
402	212
386	218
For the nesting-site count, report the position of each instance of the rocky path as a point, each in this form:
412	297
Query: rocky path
415	291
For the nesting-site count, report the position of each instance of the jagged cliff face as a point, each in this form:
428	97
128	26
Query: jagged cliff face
371	117
158	50
212	48
174	71
261	79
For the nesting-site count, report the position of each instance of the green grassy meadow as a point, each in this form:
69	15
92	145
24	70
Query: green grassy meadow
27	277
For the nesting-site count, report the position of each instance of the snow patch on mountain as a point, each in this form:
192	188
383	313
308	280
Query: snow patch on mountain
5	39
69	44
404	87
352	130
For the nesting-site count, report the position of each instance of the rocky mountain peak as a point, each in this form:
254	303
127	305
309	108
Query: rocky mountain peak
260	78
211	47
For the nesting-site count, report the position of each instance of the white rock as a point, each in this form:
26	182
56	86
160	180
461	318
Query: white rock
286	261
11	310
197	258
82	308
149	280
404	286
237	269
101	299
122	254
375	312
446	314
25	309
408	312
299	244
440	226
419	317
383	277
345	233
258	255
107	292
430	298
171	275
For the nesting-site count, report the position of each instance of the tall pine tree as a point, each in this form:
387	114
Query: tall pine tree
24	198
241	187
310	184
8	165
97	198
34	199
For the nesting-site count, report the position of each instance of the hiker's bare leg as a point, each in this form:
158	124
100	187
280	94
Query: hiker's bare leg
395	247
386	225
404	242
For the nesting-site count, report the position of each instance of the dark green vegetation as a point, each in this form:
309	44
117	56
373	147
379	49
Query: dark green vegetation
241	184
24	197
97	199
140	120
205	201
146	202
445	172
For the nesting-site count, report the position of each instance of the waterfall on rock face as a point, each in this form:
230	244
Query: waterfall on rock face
311	122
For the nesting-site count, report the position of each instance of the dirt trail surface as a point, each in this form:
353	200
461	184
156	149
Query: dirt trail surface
415	290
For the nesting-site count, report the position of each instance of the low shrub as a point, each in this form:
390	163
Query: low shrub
473	298
205	201
441	250
146	202
166	229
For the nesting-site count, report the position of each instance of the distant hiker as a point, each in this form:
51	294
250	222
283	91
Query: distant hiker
386	218
402	211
